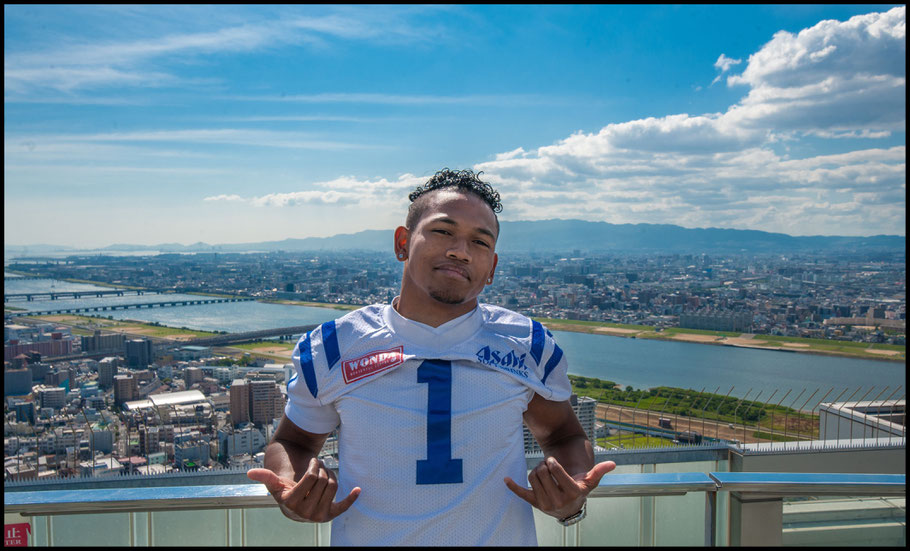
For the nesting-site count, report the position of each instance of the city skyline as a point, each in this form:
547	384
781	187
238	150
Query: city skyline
139	124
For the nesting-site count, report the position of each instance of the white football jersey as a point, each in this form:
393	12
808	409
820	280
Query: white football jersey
429	419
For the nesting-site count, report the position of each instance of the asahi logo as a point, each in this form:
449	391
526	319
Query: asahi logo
509	361
372	363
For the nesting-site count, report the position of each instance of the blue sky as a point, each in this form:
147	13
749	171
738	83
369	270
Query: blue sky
232	124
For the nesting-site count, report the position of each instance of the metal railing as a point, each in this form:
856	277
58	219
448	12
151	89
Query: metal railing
685	415
253	496
660	417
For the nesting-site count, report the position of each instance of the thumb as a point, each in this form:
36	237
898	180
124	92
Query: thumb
272	481
592	478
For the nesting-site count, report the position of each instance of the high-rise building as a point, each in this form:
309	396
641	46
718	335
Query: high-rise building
17	382
25	412
192	375
139	353
585	409
125	388
266	401
107	368
99	342
256	400
240	401
51	397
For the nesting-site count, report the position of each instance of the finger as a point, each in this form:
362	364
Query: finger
343	505
273	483
592	478
560	476
521	492
324	506
547	479
544	500
304	485
310	505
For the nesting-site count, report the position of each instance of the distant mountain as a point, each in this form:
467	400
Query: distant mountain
563	236
33	249
568	235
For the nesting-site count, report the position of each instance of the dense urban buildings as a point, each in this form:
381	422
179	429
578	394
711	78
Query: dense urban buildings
138	406
808	295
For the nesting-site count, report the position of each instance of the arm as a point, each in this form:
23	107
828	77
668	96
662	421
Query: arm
297	479
561	483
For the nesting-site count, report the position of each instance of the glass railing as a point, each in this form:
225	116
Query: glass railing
627	509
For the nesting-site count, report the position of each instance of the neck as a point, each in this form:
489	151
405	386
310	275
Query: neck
430	312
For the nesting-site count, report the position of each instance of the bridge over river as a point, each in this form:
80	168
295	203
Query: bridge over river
54	295
181	302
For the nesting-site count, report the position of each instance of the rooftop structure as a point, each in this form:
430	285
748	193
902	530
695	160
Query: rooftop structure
167	400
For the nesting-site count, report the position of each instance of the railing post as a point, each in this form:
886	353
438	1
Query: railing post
756	520
711	519
646	527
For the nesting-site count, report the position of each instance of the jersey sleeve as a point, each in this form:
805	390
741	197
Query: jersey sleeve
552	366
304	407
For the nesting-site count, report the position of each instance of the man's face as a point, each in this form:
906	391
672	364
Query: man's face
451	251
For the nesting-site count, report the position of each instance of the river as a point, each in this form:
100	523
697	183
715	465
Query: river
640	363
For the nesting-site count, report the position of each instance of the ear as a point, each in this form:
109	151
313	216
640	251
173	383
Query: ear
401	243
493	269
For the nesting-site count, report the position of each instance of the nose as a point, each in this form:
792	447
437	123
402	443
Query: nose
458	250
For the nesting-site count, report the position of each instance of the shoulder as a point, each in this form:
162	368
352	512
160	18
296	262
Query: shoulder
364	319
505	322
334	336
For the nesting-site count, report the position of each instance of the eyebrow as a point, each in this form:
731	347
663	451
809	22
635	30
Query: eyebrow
478	229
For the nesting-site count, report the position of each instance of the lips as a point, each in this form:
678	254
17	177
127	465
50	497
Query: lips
454	270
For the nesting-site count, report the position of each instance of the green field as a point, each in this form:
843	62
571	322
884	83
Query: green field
87	324
252	346
670	401
634	441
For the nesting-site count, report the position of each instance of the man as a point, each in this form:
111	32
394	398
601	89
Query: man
429	394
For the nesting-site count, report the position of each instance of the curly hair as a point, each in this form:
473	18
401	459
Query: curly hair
461	180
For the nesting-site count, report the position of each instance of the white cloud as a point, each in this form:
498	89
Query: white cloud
835	80
223	136
303	198
381	194
86	64
835	76
724	63
229	198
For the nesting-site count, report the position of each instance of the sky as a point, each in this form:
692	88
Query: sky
240	124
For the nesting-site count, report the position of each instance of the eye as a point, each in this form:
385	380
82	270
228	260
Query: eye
482	243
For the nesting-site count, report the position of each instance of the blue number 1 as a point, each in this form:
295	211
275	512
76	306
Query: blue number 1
438	467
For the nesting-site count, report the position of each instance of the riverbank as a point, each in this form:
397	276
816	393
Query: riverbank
847	349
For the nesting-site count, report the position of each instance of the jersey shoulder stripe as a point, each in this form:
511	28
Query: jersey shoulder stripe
538	340
552	362
330	343
305	353
321	349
